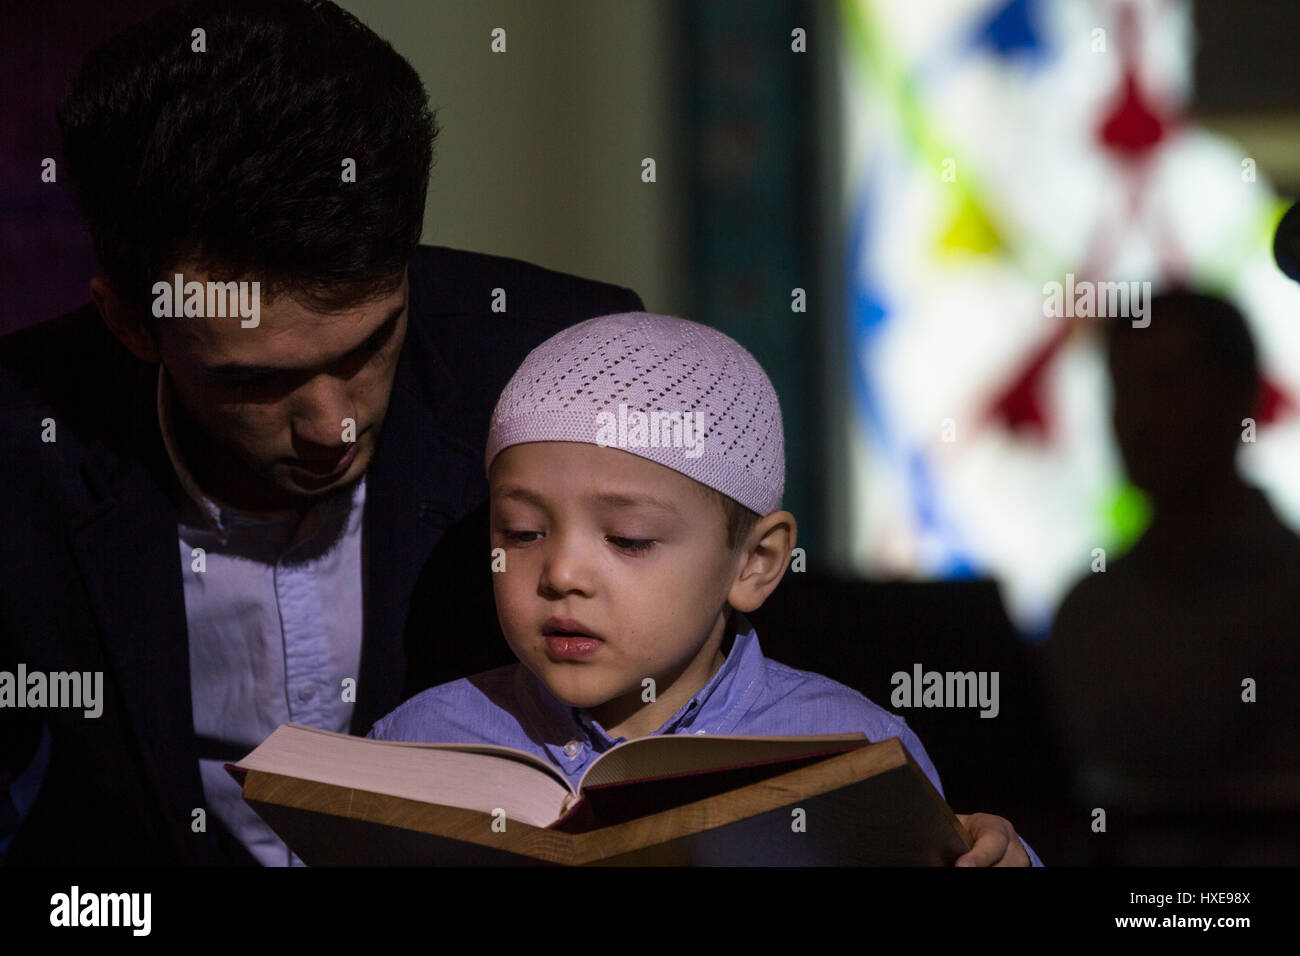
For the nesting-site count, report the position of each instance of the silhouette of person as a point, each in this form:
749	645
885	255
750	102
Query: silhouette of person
1173	674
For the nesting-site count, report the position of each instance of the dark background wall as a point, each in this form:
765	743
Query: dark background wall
47	256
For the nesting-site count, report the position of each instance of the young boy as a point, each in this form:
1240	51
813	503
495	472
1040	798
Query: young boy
636	465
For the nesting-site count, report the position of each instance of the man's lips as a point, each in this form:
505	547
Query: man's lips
322	467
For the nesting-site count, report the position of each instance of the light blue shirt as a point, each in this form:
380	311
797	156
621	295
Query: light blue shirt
275	623
749	694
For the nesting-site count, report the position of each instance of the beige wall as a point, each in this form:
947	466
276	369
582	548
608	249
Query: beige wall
540	149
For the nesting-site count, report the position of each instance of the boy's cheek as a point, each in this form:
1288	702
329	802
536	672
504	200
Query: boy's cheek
506	590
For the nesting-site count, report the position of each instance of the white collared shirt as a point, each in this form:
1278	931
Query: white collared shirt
275	622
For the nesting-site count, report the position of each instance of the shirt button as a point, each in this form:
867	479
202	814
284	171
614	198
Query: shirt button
699	731
571	748
306	693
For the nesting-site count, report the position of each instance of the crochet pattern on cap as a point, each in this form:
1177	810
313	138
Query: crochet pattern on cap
716	413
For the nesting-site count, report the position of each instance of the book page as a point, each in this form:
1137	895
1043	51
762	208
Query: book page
480	777
658	756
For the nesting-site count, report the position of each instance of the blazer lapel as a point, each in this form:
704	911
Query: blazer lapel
126	547
416	485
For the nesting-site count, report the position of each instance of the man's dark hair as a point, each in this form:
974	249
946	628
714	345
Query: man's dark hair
232	159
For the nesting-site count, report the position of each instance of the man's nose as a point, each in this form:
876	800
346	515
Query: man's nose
322	408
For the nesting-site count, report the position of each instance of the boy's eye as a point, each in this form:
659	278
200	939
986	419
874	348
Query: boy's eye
625	544
630	544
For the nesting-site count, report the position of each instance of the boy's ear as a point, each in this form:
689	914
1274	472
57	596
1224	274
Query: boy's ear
126	324
767	555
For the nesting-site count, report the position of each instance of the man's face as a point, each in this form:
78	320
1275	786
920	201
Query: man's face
627	549
298	399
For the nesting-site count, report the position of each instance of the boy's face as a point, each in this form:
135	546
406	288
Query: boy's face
623	548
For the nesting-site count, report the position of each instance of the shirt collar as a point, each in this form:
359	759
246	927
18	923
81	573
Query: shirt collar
220	517
715	708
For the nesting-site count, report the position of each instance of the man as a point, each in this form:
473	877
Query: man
225	477
1173	675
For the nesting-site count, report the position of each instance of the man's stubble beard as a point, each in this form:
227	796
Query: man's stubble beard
222	471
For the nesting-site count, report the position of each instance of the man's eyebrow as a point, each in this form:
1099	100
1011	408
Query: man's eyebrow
241	370
609	498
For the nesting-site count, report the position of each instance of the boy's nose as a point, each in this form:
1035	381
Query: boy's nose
564	570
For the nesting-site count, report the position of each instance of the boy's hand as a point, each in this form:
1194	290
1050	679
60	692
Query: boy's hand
996	843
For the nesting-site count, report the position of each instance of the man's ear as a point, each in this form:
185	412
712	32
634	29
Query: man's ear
126	324
767	555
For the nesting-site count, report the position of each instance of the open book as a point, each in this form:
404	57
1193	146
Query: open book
678	799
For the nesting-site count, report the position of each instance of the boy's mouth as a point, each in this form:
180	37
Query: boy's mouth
567	627
567	639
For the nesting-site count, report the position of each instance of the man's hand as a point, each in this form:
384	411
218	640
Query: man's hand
996	843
